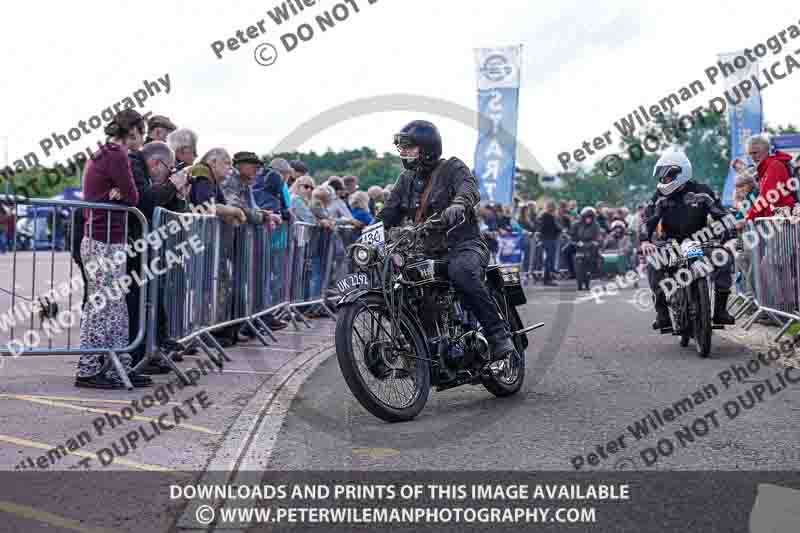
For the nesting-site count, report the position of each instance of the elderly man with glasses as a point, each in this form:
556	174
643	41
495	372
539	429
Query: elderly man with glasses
774	178
157	188
184	143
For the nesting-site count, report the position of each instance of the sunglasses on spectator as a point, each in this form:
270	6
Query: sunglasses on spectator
307	186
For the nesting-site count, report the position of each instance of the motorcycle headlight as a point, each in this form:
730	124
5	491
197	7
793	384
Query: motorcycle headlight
362	255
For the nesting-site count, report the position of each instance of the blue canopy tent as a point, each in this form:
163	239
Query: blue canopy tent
789	143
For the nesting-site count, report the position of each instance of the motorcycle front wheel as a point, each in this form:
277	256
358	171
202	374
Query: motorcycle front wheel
391	383
702	318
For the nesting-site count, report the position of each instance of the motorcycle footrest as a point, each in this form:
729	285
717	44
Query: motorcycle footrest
666	330
462	377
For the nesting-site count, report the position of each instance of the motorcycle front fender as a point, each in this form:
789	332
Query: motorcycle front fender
354	296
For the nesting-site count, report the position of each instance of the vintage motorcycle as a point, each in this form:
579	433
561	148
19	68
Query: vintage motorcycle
401	328
690	304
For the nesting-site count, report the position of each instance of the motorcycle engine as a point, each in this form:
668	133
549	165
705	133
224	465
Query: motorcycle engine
468	350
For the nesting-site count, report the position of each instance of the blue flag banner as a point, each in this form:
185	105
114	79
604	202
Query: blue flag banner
498	98
745	118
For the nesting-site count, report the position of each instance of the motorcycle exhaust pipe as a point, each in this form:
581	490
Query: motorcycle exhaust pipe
528	329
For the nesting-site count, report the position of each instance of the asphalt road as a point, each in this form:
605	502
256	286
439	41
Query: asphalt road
594	370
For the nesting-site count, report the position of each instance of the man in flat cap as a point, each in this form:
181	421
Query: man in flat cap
158	127
238	191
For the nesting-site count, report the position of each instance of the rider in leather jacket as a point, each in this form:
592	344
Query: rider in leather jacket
680	220
432	185
585	230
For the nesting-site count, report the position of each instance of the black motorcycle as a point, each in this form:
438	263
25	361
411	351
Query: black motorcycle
690	303
585	263
401	328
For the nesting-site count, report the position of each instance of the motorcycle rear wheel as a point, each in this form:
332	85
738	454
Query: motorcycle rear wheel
367	361
510	380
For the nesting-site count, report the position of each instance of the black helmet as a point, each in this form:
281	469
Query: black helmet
425	135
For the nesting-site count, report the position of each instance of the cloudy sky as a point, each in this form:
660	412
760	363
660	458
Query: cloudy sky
584	65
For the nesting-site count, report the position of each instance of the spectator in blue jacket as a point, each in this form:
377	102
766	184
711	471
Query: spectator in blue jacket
359	207
268	190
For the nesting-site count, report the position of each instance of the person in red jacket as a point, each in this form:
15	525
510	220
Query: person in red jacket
774	185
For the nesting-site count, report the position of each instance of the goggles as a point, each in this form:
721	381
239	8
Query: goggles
667	173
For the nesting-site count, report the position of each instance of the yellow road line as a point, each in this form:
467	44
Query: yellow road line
49	518
72	399
191	427
125	462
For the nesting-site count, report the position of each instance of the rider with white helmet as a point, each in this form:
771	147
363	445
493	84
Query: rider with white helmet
680	220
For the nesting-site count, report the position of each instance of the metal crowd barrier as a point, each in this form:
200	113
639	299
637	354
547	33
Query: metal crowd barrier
43	242
242	274
775	275
236	278
274	252
312	266
535	265
192	299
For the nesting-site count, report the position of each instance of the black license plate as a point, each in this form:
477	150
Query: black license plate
352	282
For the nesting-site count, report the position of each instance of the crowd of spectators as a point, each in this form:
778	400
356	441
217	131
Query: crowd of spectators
157	164
548	227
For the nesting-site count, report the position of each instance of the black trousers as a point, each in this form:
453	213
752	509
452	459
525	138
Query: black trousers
466	264
550	249
134	264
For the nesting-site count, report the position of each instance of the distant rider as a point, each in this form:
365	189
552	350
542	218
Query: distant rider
587	231
618	238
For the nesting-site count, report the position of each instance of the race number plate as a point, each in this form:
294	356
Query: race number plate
373	235
692	249
352	282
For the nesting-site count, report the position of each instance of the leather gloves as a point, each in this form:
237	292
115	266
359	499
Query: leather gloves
453	215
